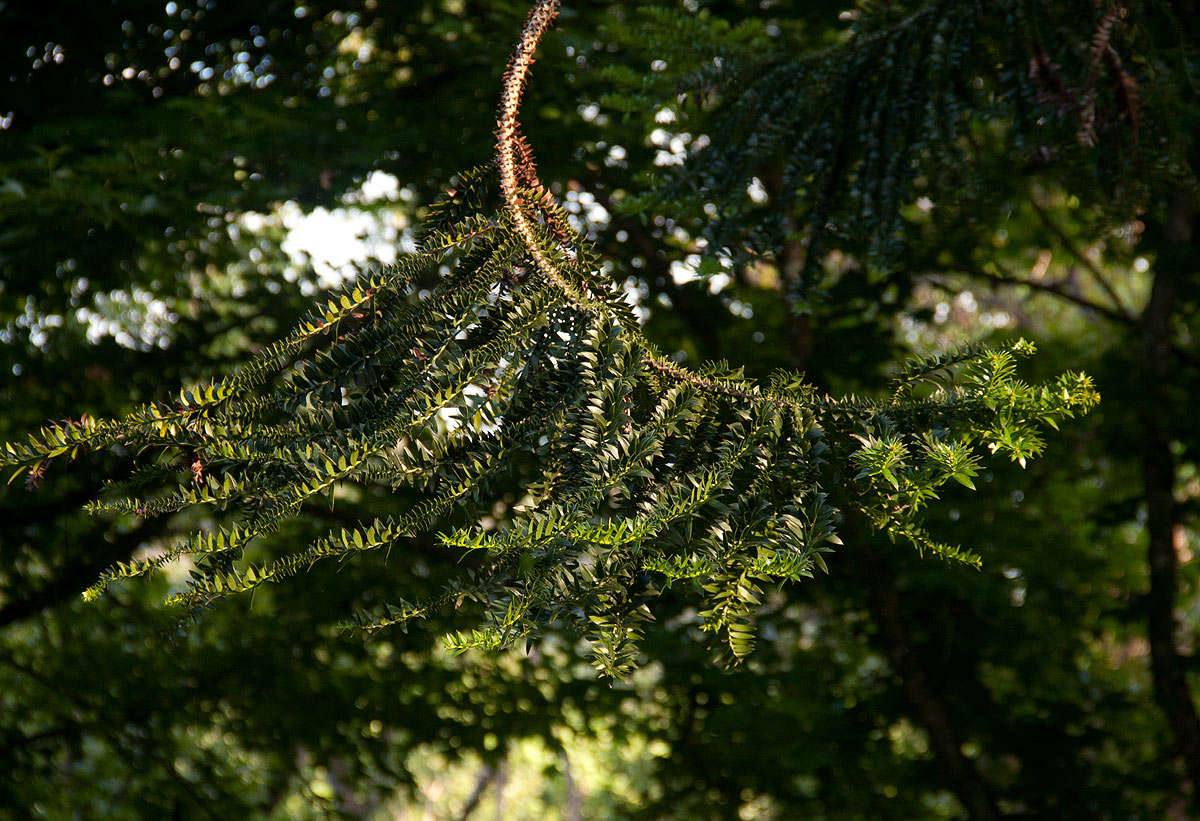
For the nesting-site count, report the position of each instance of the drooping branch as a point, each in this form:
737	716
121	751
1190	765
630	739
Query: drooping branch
647	474
1119	310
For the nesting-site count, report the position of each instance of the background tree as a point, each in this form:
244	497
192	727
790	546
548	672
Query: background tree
1070	727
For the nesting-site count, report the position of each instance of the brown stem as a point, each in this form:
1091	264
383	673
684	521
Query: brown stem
509	146
514	160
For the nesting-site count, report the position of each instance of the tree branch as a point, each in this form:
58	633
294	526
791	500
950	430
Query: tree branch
75	578
1073	250
1047	287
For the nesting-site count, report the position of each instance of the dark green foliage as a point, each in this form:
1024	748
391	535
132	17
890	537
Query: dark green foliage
902	103
643	473
1041	659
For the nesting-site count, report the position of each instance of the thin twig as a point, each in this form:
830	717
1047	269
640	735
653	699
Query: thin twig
1048	287
1076	252
1184	355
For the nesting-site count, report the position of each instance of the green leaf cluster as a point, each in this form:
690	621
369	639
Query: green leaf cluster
644	474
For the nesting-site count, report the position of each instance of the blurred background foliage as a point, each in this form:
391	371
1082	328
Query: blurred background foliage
176	180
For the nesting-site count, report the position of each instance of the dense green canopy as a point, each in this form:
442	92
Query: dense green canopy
843	210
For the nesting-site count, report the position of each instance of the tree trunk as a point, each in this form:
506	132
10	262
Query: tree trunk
922	694
1167	665
487	774
574	808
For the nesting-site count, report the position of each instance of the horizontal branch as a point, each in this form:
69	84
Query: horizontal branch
1083	259
1107	312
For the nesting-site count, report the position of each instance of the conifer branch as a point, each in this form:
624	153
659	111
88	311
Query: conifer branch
647	473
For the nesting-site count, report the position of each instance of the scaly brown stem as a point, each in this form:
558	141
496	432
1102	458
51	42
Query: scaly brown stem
510	148
514	160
